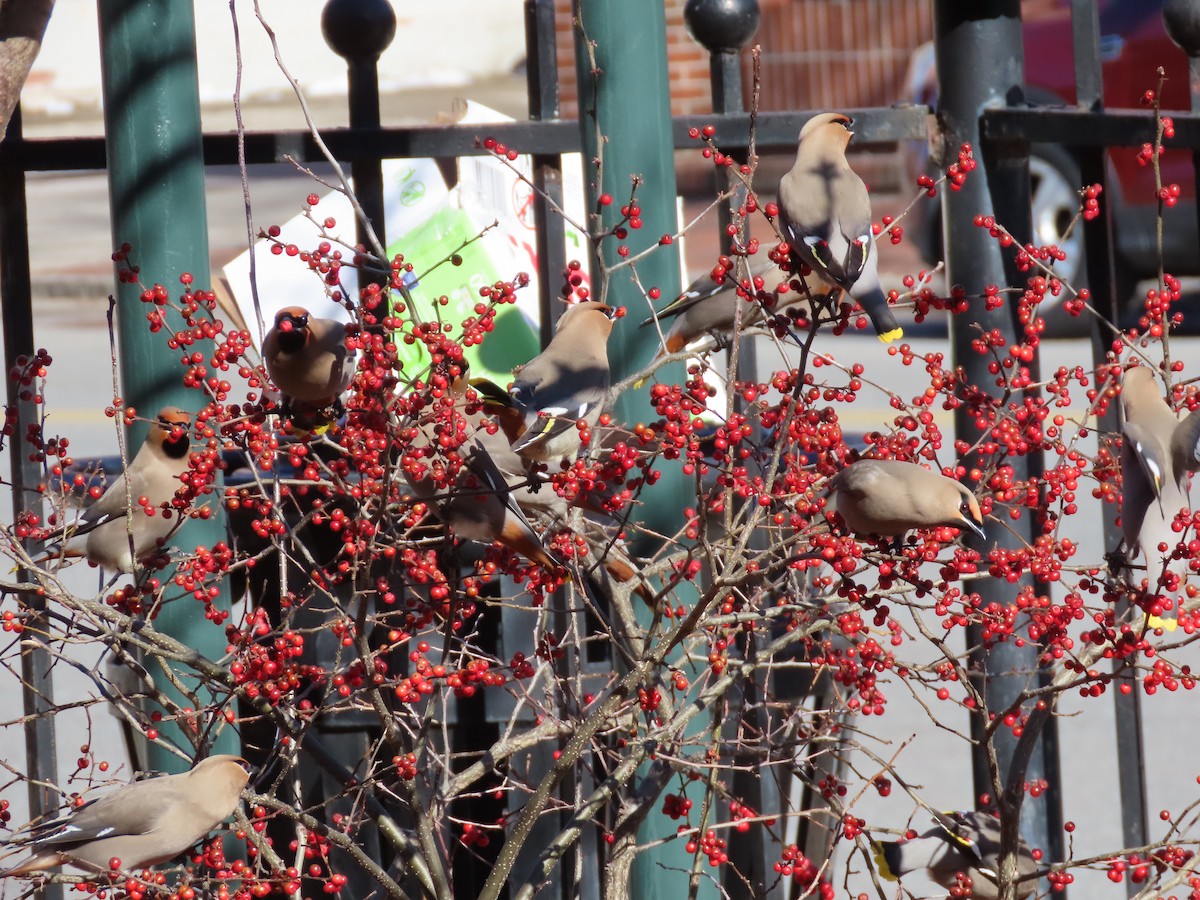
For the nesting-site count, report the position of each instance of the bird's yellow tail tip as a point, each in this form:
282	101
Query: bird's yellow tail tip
637	385
881	863
888	336
1164	624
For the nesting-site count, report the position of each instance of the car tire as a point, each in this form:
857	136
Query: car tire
1055	181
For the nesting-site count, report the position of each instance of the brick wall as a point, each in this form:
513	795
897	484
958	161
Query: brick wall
816	54
687	63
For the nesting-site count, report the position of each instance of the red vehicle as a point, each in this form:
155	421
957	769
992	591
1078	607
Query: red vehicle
1133	45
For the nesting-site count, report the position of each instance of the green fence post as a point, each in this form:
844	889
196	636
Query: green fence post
156	191
627	101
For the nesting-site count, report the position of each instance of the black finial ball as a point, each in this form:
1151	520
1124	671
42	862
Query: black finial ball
1182	18
358	28
722	24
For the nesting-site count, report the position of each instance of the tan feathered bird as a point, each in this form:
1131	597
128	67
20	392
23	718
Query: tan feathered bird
825	216
102	533
709	305
1157	453
308	360
530	490
142	823
960	842
447	464
565	384
888	498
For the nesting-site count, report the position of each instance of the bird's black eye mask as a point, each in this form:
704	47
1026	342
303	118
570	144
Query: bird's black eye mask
293	339
177	443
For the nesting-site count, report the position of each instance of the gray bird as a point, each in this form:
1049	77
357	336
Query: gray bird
530	490
447	464
887	497
308	360
142	823
825	216
1157	453
709	306
960	842
565	384
101	534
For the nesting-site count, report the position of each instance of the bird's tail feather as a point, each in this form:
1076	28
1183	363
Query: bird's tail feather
887	859
876	307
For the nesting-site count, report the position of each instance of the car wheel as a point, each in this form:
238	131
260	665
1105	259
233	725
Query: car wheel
1055	181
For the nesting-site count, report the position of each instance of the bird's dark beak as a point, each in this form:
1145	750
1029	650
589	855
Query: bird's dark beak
975	527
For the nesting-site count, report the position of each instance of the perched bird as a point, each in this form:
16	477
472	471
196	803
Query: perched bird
142	823
960	842
530	490
1157	453
825	216
708	306
565	384
102	533
308	360
887	497
447	464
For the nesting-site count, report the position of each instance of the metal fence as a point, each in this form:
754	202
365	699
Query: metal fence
975	40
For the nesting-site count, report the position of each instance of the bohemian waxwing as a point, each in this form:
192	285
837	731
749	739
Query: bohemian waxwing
825	216
101	534
565	384
530	490
888	497
307	359
708	306
1157	452
960	842
142	823
447	464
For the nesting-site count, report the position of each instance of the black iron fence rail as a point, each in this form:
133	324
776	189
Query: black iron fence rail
772	131
1077	127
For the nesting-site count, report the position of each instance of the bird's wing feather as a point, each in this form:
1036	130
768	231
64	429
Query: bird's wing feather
957	829
1185	443
120	813
548	426
696	293
1148	454
576	394
485	468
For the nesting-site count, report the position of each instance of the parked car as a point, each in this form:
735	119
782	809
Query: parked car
1133	45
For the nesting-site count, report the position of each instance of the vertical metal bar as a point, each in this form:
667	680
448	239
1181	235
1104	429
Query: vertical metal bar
1103	285
628	102
725	74
363	84
979	61
1194	85
579	876
625	120
749	856
549	229
16	311
156	190
1085	38
359	31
